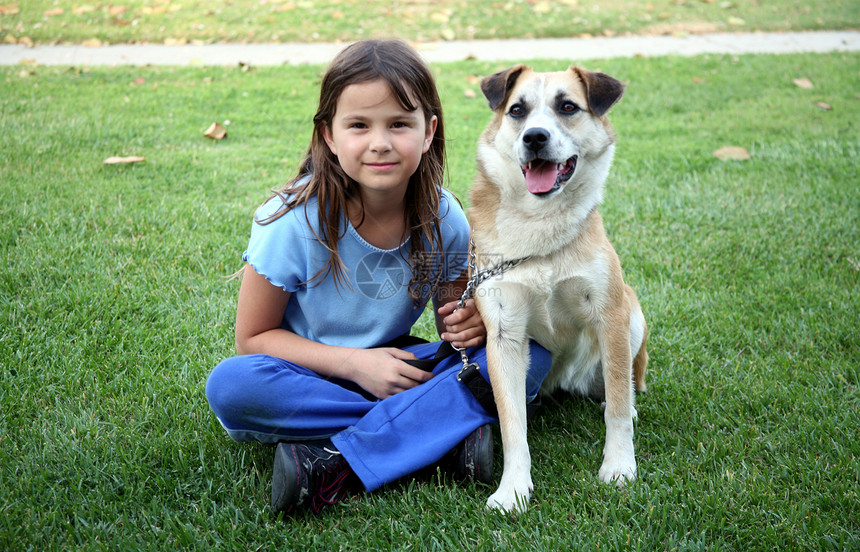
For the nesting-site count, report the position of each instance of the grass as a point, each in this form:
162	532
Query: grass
115	304
172	21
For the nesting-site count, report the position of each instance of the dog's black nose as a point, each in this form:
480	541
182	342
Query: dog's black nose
535	138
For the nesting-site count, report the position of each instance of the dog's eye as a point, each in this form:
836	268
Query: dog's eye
569	108
516	111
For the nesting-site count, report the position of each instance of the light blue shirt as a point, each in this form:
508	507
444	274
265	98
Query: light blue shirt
371	306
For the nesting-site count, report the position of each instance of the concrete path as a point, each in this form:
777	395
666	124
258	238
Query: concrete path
572	49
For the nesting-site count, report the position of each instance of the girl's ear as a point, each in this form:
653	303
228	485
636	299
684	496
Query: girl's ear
326	132
429	133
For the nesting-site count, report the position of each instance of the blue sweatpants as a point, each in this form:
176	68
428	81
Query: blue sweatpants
267	399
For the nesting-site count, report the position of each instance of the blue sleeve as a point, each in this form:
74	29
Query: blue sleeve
455	236
280	249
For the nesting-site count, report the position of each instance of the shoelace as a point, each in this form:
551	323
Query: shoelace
328	484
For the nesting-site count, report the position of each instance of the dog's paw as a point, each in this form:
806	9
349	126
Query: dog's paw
618	471
511	498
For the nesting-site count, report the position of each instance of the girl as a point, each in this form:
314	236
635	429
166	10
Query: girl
340	265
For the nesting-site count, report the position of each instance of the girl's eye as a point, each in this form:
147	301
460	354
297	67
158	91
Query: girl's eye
357	125
569	108
516	111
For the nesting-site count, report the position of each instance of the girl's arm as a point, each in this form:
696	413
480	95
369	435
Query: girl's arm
260	311
463	328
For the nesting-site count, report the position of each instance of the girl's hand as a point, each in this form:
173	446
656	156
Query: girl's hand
463	328
383	373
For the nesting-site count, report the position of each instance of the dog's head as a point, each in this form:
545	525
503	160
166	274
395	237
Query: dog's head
551	123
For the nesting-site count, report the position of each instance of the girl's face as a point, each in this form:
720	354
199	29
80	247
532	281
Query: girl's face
377	142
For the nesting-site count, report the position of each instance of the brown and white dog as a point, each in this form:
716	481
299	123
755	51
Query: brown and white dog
542	163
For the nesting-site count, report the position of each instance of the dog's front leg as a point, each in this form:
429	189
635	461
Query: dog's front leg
506	316
619	461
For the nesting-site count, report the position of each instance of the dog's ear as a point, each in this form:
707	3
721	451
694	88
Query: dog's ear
601	90
497	87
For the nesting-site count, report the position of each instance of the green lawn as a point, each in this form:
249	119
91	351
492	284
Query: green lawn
115	303
50	21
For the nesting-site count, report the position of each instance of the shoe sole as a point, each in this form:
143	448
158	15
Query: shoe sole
470	467
285	485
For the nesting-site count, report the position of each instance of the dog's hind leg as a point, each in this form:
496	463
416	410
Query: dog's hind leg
508	361
638	341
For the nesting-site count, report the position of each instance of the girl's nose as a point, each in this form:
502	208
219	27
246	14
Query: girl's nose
380	142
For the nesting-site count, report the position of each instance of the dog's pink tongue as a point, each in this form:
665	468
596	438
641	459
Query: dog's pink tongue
541	177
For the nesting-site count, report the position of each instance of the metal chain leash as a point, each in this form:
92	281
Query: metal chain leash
476	279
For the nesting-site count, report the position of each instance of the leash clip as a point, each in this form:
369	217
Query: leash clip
468	371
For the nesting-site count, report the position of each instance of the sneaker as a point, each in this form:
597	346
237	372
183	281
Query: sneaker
312	475
473	458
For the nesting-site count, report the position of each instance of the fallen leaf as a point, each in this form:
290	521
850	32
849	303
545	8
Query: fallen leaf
138	81
736	21
732	153
175	41
9	39
26	61
53	12
469	93
92	43
473	79
26	41
123	160
825	106
804	83
542	7
86	8
215	132
448	34
116	10
9	9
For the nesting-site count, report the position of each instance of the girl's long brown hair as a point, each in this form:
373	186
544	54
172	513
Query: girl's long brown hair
409	78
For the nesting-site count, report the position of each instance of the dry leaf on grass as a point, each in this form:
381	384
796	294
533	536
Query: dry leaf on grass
9	9
124	160
53	12
86	8
216	132
732	153
824	105
804	83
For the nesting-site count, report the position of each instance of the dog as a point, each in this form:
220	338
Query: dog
542	164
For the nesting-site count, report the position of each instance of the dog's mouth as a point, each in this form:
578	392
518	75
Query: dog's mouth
544	177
